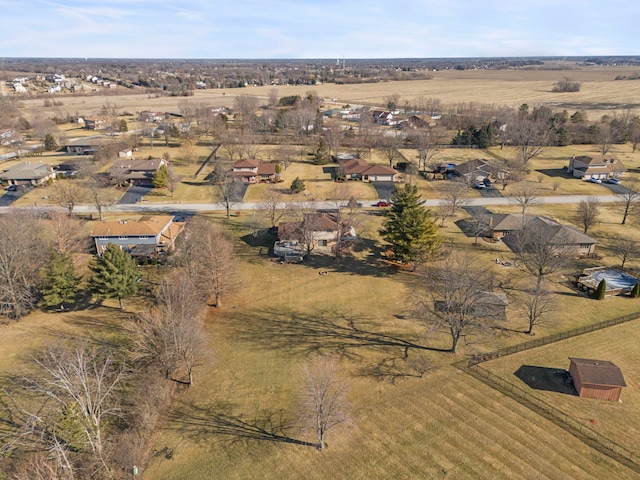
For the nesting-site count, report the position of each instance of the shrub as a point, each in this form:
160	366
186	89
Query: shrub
601	290
566	85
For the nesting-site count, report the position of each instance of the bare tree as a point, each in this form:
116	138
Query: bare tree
171	334
630	198
624	249
530	135
102	198
588	212
513	172
188	152
83	383
66	234
245	107
23	253
525	196
450	297
388	146
606	135
427	142
537	305
285	154
68	194
274	205
323	402
207	253
273	97
454	197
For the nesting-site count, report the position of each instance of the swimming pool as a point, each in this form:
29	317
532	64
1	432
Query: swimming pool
615	278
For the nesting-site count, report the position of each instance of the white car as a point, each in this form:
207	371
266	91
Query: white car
614	181
595	180
480	185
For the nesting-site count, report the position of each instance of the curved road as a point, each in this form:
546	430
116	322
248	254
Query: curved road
184	208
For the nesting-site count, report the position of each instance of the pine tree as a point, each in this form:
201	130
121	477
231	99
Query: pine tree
161	177
321	155
297	185
50	142
635	291
60	282
601	290
115	275
410	228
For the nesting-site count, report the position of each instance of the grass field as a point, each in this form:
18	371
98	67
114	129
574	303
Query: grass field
238	421
617	344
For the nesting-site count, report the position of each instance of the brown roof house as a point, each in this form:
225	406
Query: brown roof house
359	169
505	227
598	167
28	173
317	231
151	234
599	379
250	170
136	172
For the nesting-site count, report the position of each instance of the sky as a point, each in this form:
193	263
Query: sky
290	29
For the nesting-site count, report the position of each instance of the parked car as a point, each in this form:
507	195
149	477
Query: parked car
382	203
11	188
480	185
595	180
487	182
614	181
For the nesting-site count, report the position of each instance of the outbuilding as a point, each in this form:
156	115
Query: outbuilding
598	379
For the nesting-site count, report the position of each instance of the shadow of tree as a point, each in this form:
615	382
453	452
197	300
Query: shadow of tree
201	422
397	368
326	332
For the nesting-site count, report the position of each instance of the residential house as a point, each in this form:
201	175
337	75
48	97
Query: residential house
599	379
420	121
358	169
136	172
475	170
86	146
250	170
600	167
505	227
320	230
97	123
383	117
150	234
28	173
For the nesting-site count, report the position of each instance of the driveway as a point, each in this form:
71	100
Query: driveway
476	211
490	192
617	189
134	195
384	189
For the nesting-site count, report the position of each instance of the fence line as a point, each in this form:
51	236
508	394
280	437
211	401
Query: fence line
603	444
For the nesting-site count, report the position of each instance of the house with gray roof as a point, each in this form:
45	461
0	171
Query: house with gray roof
28	173
600	167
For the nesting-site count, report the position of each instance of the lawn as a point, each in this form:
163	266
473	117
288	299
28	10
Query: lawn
238	421
618	421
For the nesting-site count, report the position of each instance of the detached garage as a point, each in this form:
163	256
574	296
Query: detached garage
596	378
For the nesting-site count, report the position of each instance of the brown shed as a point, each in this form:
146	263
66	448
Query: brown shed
596	378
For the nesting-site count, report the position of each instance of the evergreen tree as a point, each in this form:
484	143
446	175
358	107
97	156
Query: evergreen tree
50	142
297	185
60	282
601	290
321	155
115	275
161	177
635	291
410	228
122	127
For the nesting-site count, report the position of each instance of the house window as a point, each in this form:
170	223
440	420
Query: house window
122	238
143	237
585	245
322	243
102	238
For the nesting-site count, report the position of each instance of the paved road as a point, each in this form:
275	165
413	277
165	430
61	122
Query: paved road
188	209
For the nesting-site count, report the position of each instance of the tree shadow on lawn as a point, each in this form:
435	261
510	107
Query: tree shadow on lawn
549	379
200	423
324	332
555	172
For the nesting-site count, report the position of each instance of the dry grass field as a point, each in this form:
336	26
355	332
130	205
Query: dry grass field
238	421
499	87
618	344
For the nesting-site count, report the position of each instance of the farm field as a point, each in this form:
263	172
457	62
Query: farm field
618	421
239	419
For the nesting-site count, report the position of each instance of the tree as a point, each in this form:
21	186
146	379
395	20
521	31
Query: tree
537	304
624	249
601	290
454	197
323	403
426	141
115	275
68	194
321	155
50	143
630	198
208	255
566	85
66	235
409	227
529	135
171	333
297	186
588	213
60	284
635	291
245	107
388	146
122	126
23	254
161	177
525	196
451	295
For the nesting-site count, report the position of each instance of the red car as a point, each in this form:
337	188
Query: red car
382	203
